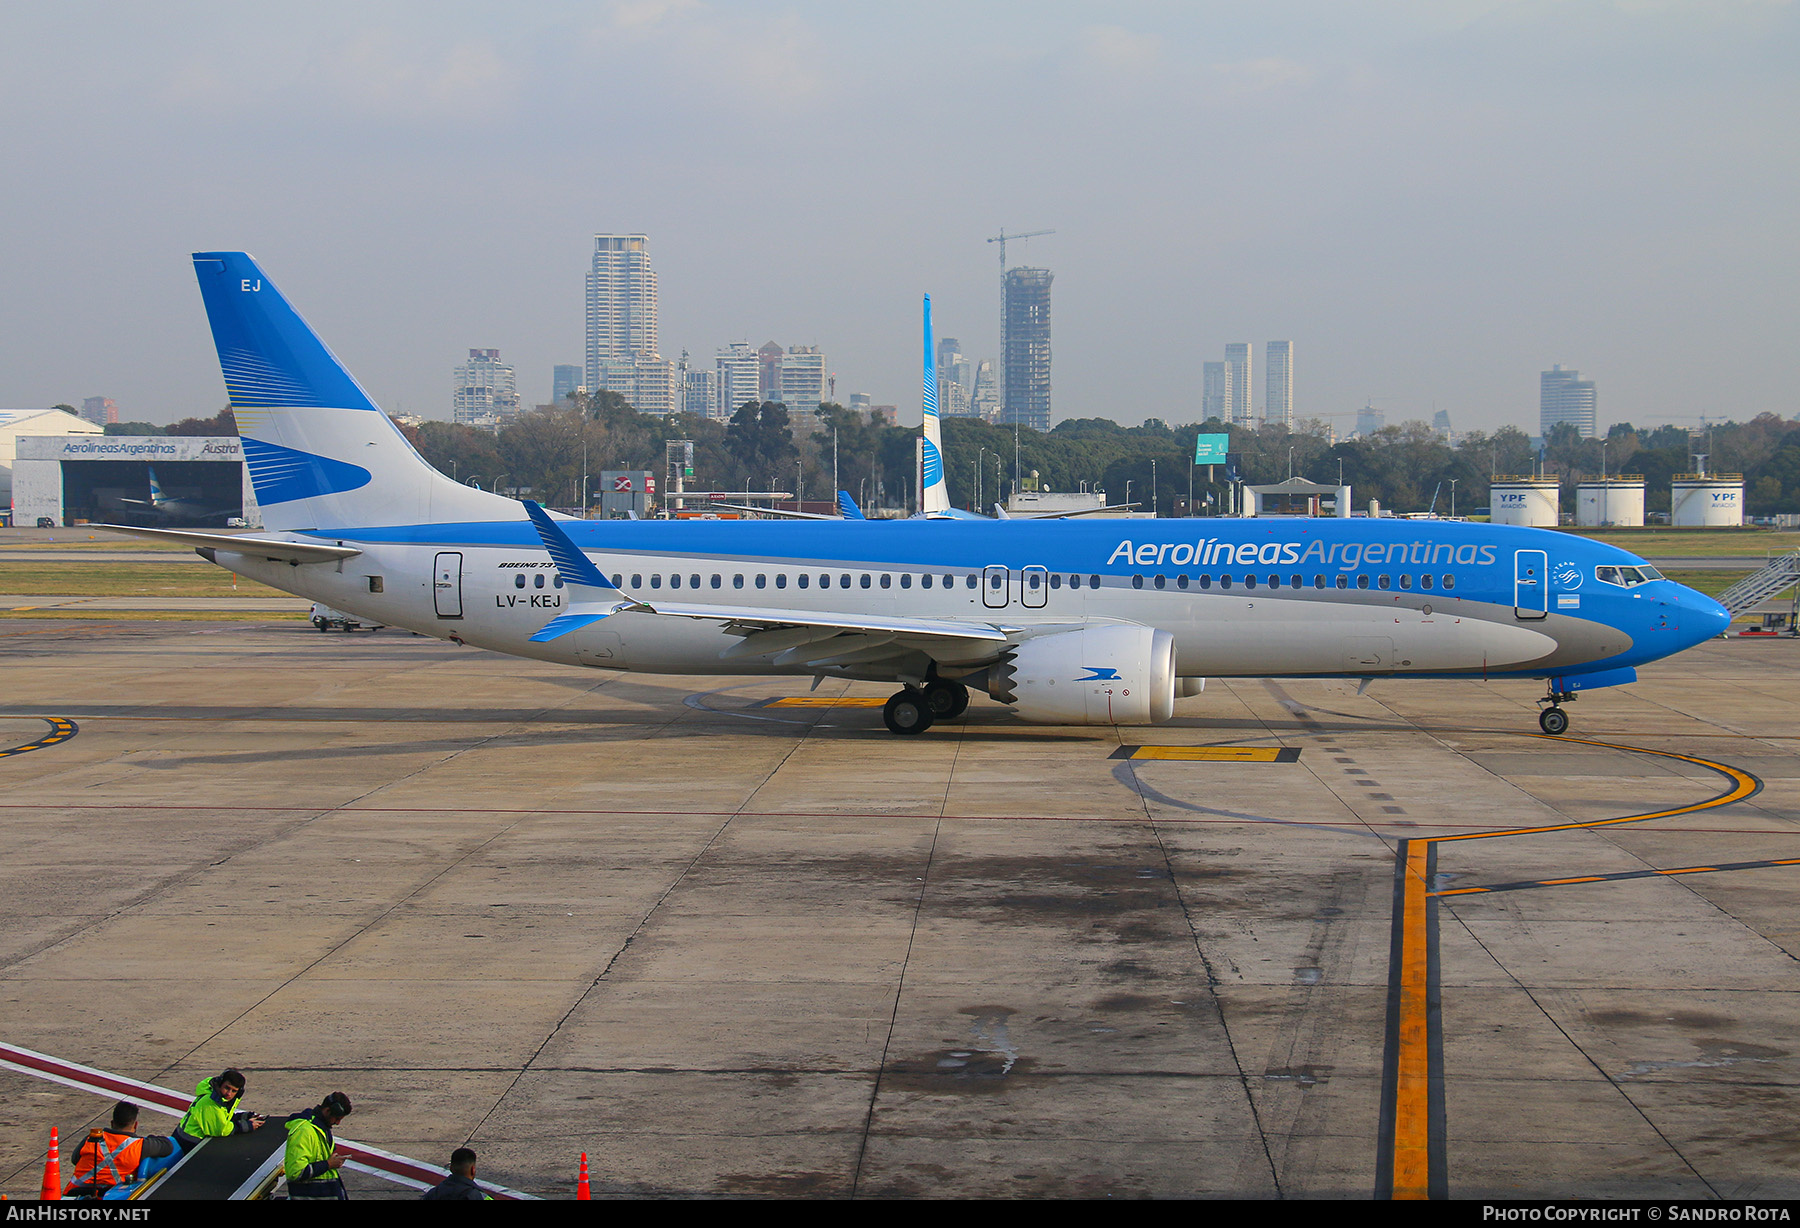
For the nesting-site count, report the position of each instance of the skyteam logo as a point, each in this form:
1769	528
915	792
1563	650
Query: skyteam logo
1099	675
1566	575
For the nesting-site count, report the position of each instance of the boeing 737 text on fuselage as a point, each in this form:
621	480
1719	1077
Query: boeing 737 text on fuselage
1068	622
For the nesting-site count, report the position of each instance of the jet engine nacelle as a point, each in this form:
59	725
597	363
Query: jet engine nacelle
1096	676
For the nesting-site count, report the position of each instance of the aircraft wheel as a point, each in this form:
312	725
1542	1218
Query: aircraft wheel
907	712
1553	721
321	624
947	700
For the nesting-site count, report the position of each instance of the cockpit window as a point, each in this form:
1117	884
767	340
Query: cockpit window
1627	577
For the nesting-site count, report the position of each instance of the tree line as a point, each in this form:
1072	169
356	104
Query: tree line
1407	467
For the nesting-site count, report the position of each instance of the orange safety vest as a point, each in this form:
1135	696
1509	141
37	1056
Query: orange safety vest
106	1158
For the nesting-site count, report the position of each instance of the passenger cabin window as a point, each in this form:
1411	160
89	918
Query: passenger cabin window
737	582
1225	582
1137	582
537	581
1249	581
1160	582
1425	581
637	580
618	580
558	582
887	581
674	582
925	580
1362	581
655	581
1056	580
519	580
694	581
972	581
1181	580
1405	581
1093	581
780	580
1384	582
865	579
802	581
905	579
1343	581
1205	581
1449	581
715	580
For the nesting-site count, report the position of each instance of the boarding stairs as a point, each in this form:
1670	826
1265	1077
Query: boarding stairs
1781	573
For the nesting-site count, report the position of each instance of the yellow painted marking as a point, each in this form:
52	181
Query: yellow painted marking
1235	754
822	701
1412	1125
1412	1088
1560	882
61	730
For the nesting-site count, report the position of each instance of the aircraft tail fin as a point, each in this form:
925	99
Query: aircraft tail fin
847	507
156	494
934	491
321	453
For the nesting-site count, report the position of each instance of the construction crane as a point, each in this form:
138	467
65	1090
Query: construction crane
1002	237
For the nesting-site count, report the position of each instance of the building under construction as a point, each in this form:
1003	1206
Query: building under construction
1026	347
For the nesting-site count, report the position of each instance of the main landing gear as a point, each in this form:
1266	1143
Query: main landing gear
915	709
1552	719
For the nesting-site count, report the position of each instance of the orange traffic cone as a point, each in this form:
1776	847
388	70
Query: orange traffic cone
582	1194
52	1187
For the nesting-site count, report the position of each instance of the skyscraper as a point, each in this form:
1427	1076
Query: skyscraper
101	411
1237	367
700	393
622	354
802	379
739	377
483	390
984	402
565	378
1563	396
1215	392
1278	398
952	378
1027	348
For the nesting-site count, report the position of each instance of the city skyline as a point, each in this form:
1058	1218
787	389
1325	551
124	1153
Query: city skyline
1385	186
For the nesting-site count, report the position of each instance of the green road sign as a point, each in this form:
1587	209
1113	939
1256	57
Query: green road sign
1211	449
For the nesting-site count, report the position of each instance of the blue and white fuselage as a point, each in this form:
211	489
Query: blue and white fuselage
1068	621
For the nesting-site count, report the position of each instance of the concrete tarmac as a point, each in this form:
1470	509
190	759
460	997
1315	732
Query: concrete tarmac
733	949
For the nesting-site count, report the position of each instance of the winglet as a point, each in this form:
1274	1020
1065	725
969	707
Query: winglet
847	507
574	566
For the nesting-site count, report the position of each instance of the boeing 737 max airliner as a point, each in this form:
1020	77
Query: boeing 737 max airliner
1069	622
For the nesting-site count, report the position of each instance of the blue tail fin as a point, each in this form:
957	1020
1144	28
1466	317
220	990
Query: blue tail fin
847	507
321	453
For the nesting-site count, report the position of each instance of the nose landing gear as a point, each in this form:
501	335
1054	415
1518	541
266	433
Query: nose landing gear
1552	719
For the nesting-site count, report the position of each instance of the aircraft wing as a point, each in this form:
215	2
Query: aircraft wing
815	635
249	546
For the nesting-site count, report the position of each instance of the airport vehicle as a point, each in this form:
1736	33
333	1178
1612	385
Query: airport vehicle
1069	622
326	619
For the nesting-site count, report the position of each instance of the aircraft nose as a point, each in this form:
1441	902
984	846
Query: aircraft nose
1701	616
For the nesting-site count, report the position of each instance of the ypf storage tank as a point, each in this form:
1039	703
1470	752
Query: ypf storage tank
1534	502
1617	500
1707	500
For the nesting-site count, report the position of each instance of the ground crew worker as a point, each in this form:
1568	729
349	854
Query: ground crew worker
460	1185
214	1113
110	1163
313	1157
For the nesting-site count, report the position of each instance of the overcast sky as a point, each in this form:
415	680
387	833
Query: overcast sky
1434	200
